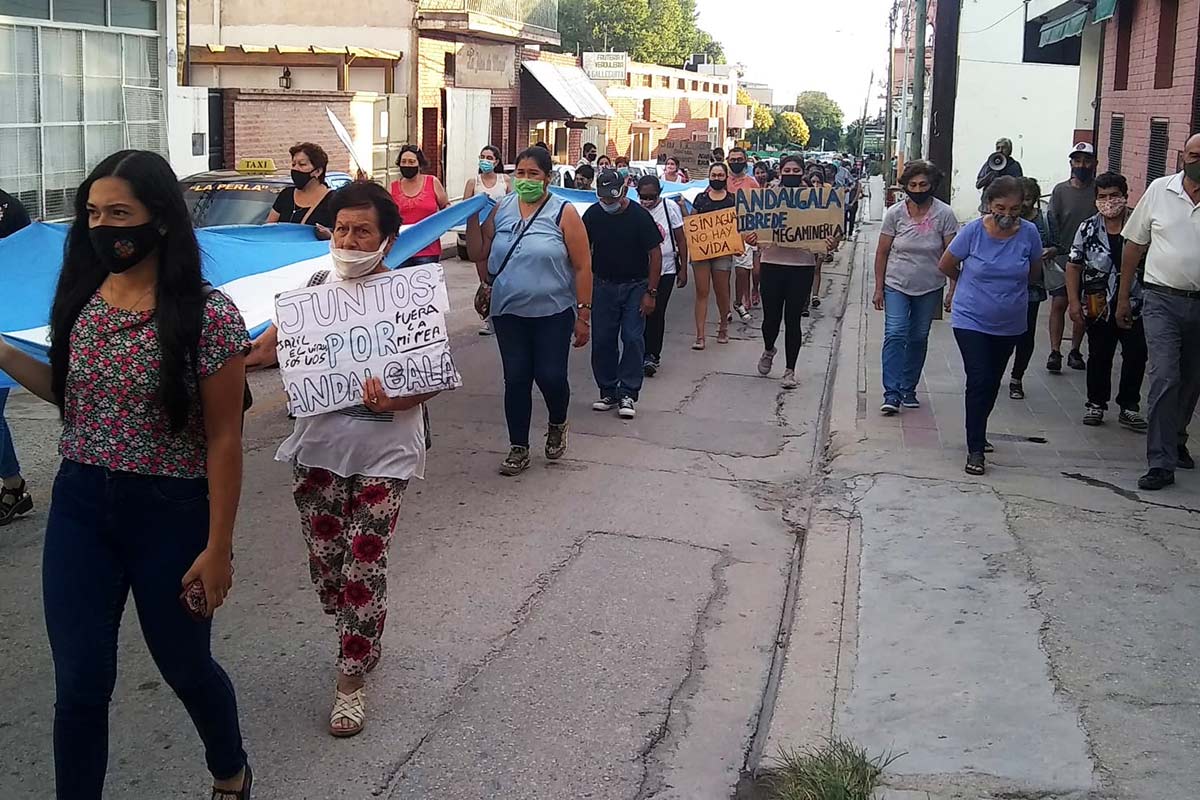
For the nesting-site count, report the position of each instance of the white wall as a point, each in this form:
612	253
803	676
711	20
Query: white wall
187	112
1089	64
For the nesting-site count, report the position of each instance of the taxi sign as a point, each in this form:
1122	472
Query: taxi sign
260	166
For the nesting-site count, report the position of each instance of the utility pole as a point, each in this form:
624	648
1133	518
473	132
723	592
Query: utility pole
888	132
918	117
862	126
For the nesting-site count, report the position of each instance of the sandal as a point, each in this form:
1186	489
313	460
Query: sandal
723	337
975	464
239	794
699	344
350	708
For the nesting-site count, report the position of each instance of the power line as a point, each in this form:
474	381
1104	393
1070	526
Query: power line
994	24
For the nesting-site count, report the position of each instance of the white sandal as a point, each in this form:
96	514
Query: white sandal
348	707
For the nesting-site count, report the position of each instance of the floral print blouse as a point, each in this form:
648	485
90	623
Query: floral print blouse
112	416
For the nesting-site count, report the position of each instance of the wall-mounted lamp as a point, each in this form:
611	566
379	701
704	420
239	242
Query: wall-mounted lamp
285	80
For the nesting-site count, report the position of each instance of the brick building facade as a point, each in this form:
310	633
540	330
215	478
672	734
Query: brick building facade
1150	96
264	123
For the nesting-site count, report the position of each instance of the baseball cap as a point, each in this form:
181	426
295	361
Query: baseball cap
1084	149
609	184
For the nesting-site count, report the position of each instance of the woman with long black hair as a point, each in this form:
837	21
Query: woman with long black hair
147	369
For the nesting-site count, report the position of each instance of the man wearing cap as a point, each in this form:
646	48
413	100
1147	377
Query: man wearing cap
1072	203
626	265
1165	229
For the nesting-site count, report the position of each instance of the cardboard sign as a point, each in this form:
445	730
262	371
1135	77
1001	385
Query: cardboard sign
691	154
485	66
802	218
713	235
391	326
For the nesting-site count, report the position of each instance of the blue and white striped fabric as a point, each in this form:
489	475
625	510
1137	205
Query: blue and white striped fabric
250	263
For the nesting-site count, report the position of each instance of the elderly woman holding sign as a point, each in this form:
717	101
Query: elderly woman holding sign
351	467
785	276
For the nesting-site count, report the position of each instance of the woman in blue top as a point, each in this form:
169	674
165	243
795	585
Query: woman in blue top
534	262
990	264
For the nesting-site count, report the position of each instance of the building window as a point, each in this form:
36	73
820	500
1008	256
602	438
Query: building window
69	99
695	86
648	80
666	82
1195	126
646	112
117	13
682	86
1156	160
707	86
1116	142
1164	57
1125	13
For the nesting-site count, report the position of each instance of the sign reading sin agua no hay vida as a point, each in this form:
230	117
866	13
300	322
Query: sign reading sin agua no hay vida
391	326
802	217
712	235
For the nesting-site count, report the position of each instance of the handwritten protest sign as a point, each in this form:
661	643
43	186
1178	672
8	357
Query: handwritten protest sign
712	235
391	326
691	153
802	218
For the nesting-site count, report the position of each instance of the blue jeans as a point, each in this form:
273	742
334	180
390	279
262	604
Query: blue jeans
534	349
617	315
110	533
907	319
9	468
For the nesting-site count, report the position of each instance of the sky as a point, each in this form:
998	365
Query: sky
791	59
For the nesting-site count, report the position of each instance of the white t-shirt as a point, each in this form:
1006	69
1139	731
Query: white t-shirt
358	441
669	218
1168	221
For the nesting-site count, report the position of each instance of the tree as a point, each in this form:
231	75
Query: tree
670	46
764	123
823	115
658	32
854	135
790	128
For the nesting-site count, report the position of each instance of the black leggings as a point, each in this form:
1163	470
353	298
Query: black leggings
1026	342
785	290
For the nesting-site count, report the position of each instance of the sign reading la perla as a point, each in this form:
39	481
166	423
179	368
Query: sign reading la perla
390	325
485	66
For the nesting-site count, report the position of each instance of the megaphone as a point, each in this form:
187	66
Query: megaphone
997	162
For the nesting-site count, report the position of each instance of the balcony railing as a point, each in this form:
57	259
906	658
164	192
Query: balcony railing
536	13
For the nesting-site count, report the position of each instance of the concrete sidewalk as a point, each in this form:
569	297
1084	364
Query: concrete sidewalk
1031	633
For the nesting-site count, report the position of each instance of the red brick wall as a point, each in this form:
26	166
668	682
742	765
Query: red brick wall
264	123
1141	102
691	112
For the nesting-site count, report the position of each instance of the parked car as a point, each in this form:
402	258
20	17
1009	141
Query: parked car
240	197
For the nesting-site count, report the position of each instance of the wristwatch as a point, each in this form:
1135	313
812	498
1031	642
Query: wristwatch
652	292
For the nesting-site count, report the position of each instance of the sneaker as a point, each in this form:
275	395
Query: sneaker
1016	390
605	403
1183	459
486	328
556	441
765	361
910	401
815	302
14	503
1156	479
1133	421
649	368
1054	362
1075	360
516	462
976	464
1093	414
742	312
890	407
788	381
626	409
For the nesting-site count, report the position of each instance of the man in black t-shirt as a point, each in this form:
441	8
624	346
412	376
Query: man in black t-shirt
13	215
626	264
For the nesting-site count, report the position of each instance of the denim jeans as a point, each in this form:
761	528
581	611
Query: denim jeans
618	343
9	468
907	319
534	350
984	358
110	533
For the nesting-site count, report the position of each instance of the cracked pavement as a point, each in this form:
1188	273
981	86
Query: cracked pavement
1028	634
604	627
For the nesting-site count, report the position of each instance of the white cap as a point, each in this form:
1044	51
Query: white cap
1083	148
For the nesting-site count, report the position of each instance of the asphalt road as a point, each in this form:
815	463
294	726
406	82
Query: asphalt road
603	627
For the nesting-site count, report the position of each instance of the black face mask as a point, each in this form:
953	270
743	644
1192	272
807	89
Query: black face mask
717	184
738	167
409	172
122	248
920	198
791	181
1084	174
301	179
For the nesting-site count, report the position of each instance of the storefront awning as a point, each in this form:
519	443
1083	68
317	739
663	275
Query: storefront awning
1065	28
1104	10
571	88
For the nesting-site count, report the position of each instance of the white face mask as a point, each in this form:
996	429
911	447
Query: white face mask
355	263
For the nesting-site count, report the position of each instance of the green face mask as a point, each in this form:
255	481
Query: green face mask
529	191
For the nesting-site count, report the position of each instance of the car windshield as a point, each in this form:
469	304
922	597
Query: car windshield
229	204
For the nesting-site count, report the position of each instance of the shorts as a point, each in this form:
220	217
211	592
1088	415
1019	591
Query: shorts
745	260
719	264
1059	292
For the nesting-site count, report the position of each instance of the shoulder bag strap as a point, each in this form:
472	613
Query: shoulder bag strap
527	224
314	207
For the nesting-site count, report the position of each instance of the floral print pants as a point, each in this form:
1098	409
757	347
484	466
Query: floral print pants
347	524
